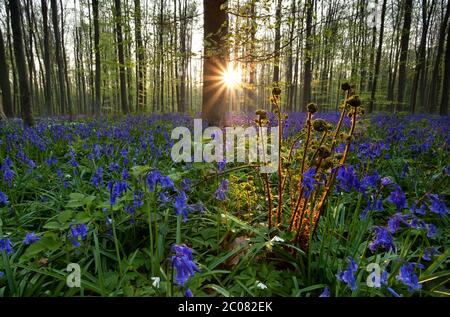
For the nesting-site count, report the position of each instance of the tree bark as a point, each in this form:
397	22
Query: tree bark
433	92
214	92
4	81
307	72
25	98
443	110
378	58
98	69
404	47
277	46
121	57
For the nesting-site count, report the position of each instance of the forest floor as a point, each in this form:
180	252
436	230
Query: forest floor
106	195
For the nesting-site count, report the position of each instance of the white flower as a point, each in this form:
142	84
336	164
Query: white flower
261	285
277	239
156	281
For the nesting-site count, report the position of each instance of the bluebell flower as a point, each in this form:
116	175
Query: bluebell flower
326	292
394	222
438	205
186	184
163	197
309	181
398	198
429	252
78	232
180	205
382	239
183	263
348	276
408	277
431	230
222	190
153	179
113	166
166	183
51	160
30	238
138	199
1	275
8	173
418	210
6	245
221	165
125	174
116	189
386	181
347	179
3	198
97	178
188	293
369	181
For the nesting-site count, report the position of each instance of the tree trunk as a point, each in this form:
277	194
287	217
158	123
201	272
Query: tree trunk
59	61
446	82
277	46
404	46
378	58
25	98
421	54
4	81
433	92
121	57
98	69
215	61
307	72
46	53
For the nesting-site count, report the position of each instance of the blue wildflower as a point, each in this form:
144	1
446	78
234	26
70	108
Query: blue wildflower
153	179
431	230
1	275
116	189
3	198
221	165
348	276
30	238
138	199
394	222
326	292
6	245
188	293
222	190
50	161
438	205
429	252
309	181
184	264
382	239
78	232
180	205
186	184
347	179
97	178
408	277
125	174
398	198
386	181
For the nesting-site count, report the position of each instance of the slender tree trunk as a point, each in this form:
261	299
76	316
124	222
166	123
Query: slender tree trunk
378	58
25	98
4	81
215	61
121	57
59	60
277	46
421	55
443	110
404	47
46	53
433	92
307	72
98	69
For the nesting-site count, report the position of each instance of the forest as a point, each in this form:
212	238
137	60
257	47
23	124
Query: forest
232	148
